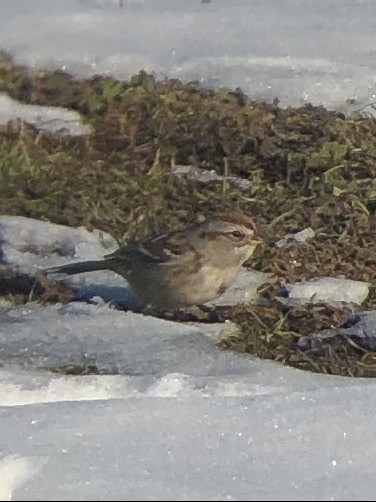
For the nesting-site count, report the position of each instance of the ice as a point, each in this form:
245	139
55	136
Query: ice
271	49
330	290
50	119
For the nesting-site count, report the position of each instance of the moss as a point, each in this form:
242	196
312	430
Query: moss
308	167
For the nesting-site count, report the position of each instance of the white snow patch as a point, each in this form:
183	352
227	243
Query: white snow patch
243	290
14	471
330	290
27	242
50	119
200	448
172	385
116	342
270	49
37	388
301	236
369	111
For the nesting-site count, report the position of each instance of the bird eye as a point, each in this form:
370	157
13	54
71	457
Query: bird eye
238	235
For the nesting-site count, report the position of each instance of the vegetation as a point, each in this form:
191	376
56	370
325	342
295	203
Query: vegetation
308	167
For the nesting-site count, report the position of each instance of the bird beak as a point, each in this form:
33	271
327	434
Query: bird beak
255	242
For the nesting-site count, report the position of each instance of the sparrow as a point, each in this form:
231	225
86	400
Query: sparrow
181	268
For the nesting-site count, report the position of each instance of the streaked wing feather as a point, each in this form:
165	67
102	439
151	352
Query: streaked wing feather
163	248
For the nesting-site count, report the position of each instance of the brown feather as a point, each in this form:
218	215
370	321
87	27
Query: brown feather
238	218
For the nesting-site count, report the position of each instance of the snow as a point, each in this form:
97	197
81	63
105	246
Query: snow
182	420
301	236
26	242
64	334
50	119
317	51
170	416
207	177
300	438
332	290
244	289
369	111
14	471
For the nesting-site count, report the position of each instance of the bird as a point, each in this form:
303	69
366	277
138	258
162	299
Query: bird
183	268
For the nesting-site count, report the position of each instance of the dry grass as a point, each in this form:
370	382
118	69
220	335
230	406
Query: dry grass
308	166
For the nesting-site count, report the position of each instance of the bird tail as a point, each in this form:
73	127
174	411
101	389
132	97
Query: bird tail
79	267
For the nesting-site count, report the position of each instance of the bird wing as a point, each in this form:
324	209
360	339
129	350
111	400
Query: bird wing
162	248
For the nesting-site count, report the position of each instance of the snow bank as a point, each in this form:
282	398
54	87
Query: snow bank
270	49
296	441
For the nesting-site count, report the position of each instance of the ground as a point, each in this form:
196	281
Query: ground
307	167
